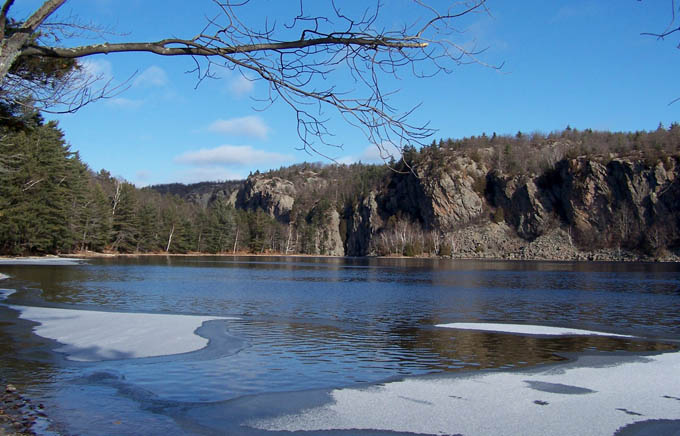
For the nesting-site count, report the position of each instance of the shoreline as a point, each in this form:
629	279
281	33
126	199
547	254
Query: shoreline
18	415
581	256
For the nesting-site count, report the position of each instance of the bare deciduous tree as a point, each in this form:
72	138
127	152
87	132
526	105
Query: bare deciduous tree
670	30
296	56
672	26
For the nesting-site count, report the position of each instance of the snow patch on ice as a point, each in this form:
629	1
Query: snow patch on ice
92	335
53	261
4	293
527	329
3	276
503	403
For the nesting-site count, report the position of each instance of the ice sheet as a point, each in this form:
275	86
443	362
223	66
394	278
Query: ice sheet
55	261
527	329
94	335
562	400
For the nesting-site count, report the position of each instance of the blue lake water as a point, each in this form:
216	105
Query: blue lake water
307	325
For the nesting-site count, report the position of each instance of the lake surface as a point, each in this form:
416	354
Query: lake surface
306	326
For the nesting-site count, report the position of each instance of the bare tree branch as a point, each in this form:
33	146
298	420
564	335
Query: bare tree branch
301	61
41	14
3	15
670	29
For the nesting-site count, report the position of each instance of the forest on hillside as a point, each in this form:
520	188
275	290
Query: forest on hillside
51	202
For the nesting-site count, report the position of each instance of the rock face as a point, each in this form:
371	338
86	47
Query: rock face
327	238
585	197
363	224
603	203
449	198
624	202
527	207
274	195
579	203
441	197
277	197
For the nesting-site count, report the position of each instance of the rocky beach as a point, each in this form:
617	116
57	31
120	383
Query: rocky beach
18	415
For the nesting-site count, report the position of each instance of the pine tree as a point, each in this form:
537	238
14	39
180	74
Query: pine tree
125	223
39	184
148	228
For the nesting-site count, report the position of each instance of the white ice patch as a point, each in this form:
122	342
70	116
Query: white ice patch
53	261
91	335
527	329
4	293
3	276
556	401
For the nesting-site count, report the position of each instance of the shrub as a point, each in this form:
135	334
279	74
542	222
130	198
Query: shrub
498	216
479	185
445	250
413	249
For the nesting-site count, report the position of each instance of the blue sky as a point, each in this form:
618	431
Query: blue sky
578	63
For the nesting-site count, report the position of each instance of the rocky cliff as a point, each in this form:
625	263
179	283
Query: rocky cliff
625	203
288	202
274	195
441	195
583	207
630	203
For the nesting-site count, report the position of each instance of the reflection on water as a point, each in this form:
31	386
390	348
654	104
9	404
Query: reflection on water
321	323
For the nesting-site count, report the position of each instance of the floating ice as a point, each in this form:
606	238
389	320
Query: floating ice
92	335
587	397
54	261
527	329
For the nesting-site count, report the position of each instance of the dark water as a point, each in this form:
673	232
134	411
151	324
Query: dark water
307	325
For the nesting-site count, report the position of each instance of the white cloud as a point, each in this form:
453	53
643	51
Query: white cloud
241	86
245	126
374	154
231	155
346	160
210	173
96	69
151	77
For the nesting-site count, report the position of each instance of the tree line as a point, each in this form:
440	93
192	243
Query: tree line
536	152
51	202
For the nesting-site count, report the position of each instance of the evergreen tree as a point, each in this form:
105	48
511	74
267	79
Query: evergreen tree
39	184
148	229
125	223
98	230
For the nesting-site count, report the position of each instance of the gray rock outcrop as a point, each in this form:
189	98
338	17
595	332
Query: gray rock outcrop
274	195
363	224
